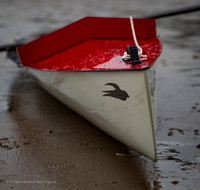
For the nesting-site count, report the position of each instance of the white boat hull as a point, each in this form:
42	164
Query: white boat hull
130	121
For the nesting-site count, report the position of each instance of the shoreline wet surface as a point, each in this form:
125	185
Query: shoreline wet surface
45	145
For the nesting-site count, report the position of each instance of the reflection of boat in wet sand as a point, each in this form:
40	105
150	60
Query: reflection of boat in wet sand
114	94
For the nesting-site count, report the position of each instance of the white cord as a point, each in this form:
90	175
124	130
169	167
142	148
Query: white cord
134	35
126	55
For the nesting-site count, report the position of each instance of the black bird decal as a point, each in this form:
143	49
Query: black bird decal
117	93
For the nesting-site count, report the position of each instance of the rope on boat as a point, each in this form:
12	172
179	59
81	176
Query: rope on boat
128	56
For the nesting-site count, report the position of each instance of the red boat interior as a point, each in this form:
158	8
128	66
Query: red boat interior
92	44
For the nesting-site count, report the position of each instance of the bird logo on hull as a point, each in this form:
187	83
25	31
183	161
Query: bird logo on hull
117	93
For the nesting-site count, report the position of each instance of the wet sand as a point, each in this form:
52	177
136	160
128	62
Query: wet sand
45	145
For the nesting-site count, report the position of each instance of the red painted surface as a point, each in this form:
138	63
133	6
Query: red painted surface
92	43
